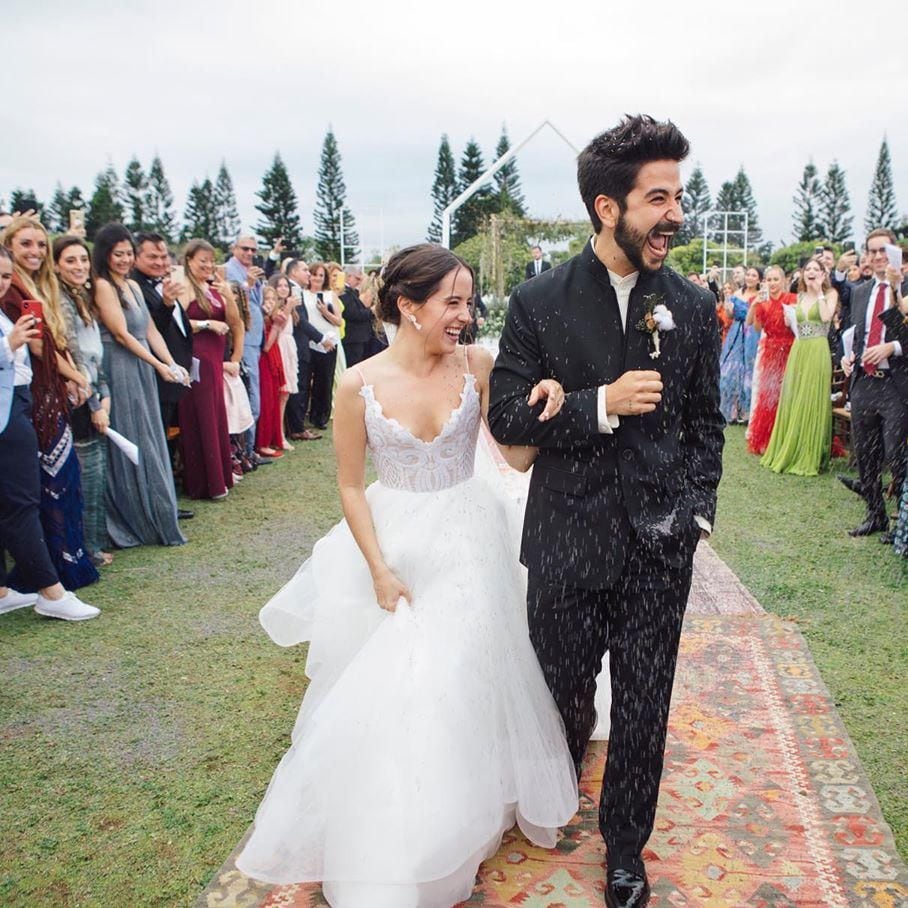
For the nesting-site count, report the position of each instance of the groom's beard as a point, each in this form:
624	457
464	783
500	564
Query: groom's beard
632	242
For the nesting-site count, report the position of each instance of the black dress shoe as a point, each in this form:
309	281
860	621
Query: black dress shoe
183	514
887	538
853	485
260	461
626	889
870	525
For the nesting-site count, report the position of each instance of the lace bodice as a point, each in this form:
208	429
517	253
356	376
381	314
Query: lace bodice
406	462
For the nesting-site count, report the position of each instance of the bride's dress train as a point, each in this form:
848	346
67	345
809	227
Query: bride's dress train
424	734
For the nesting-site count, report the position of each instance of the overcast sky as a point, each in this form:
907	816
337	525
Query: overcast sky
767	84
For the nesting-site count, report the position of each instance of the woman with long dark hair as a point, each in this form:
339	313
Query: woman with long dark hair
21	530
204	437
141	499
427	723
90	421
323	314
55	383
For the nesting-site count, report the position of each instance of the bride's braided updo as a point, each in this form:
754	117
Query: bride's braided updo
415	274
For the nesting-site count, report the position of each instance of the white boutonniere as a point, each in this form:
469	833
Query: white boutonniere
656	317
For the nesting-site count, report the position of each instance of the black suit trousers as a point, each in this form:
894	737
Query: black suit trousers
354	352
298	404
21	532
638	621
323	365
879	420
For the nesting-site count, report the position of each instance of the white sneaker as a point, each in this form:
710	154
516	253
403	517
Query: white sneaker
14	599
70	608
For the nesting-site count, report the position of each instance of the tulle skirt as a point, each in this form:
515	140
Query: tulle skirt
424	734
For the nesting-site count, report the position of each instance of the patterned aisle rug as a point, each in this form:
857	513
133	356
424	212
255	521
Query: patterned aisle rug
763	800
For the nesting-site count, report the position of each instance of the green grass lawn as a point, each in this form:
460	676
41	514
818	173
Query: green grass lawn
135	748
786	538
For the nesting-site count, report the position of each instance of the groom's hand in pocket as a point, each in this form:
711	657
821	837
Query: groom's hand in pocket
635	393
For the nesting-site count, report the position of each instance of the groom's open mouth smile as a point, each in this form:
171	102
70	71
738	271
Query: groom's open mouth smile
659	240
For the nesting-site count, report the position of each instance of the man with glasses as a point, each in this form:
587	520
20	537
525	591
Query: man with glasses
241	268
879	385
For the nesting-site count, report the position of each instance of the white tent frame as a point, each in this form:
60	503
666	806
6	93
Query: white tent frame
723	216
477	184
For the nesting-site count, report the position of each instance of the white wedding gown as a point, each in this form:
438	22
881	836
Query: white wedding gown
424	734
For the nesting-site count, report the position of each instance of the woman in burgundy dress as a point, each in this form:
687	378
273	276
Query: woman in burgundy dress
775	345
269	434
204	436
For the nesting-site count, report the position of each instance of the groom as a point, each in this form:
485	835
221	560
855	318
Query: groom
625	480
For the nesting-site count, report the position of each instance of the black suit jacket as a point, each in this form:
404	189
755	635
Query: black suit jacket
530	270
590	491
179	344
357	317
304	331
891	318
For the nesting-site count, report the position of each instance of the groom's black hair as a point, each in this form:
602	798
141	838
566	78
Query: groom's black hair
610	163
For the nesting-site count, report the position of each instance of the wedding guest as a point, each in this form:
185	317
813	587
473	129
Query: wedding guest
52	369
21	532
141	498
734	382
537	265
725	319
161	294
322	311
879	383
368	294
802	434
776	339
204	437
288	305
303	332
90	420
357	317
269	436
241	267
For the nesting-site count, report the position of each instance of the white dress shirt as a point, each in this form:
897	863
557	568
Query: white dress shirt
23	369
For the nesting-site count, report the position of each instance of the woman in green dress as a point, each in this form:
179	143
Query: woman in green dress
802	434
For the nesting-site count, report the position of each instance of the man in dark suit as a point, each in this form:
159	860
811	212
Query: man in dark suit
879	385
626	476
303	332
358	318
160	292
538	264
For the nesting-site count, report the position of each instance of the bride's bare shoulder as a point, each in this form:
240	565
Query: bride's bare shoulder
480	359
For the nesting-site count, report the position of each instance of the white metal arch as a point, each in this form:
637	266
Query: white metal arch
480	181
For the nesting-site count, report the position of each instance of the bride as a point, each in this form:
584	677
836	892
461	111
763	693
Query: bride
427	729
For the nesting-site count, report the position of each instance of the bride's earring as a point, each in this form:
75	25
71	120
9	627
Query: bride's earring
412	319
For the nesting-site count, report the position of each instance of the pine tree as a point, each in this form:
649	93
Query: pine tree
227	217
278	207
695	203
881	207
200	217
330	206
737	196
835	206
508	194
63	202
748	203
22	199
808	200
105	205
135	192
444	188
158	209
58	212
470	215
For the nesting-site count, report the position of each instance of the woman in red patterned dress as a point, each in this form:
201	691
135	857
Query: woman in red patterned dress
775	345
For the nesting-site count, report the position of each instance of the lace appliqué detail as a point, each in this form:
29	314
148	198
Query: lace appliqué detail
403	461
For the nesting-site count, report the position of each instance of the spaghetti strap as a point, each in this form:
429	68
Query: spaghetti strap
362	377
466	356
